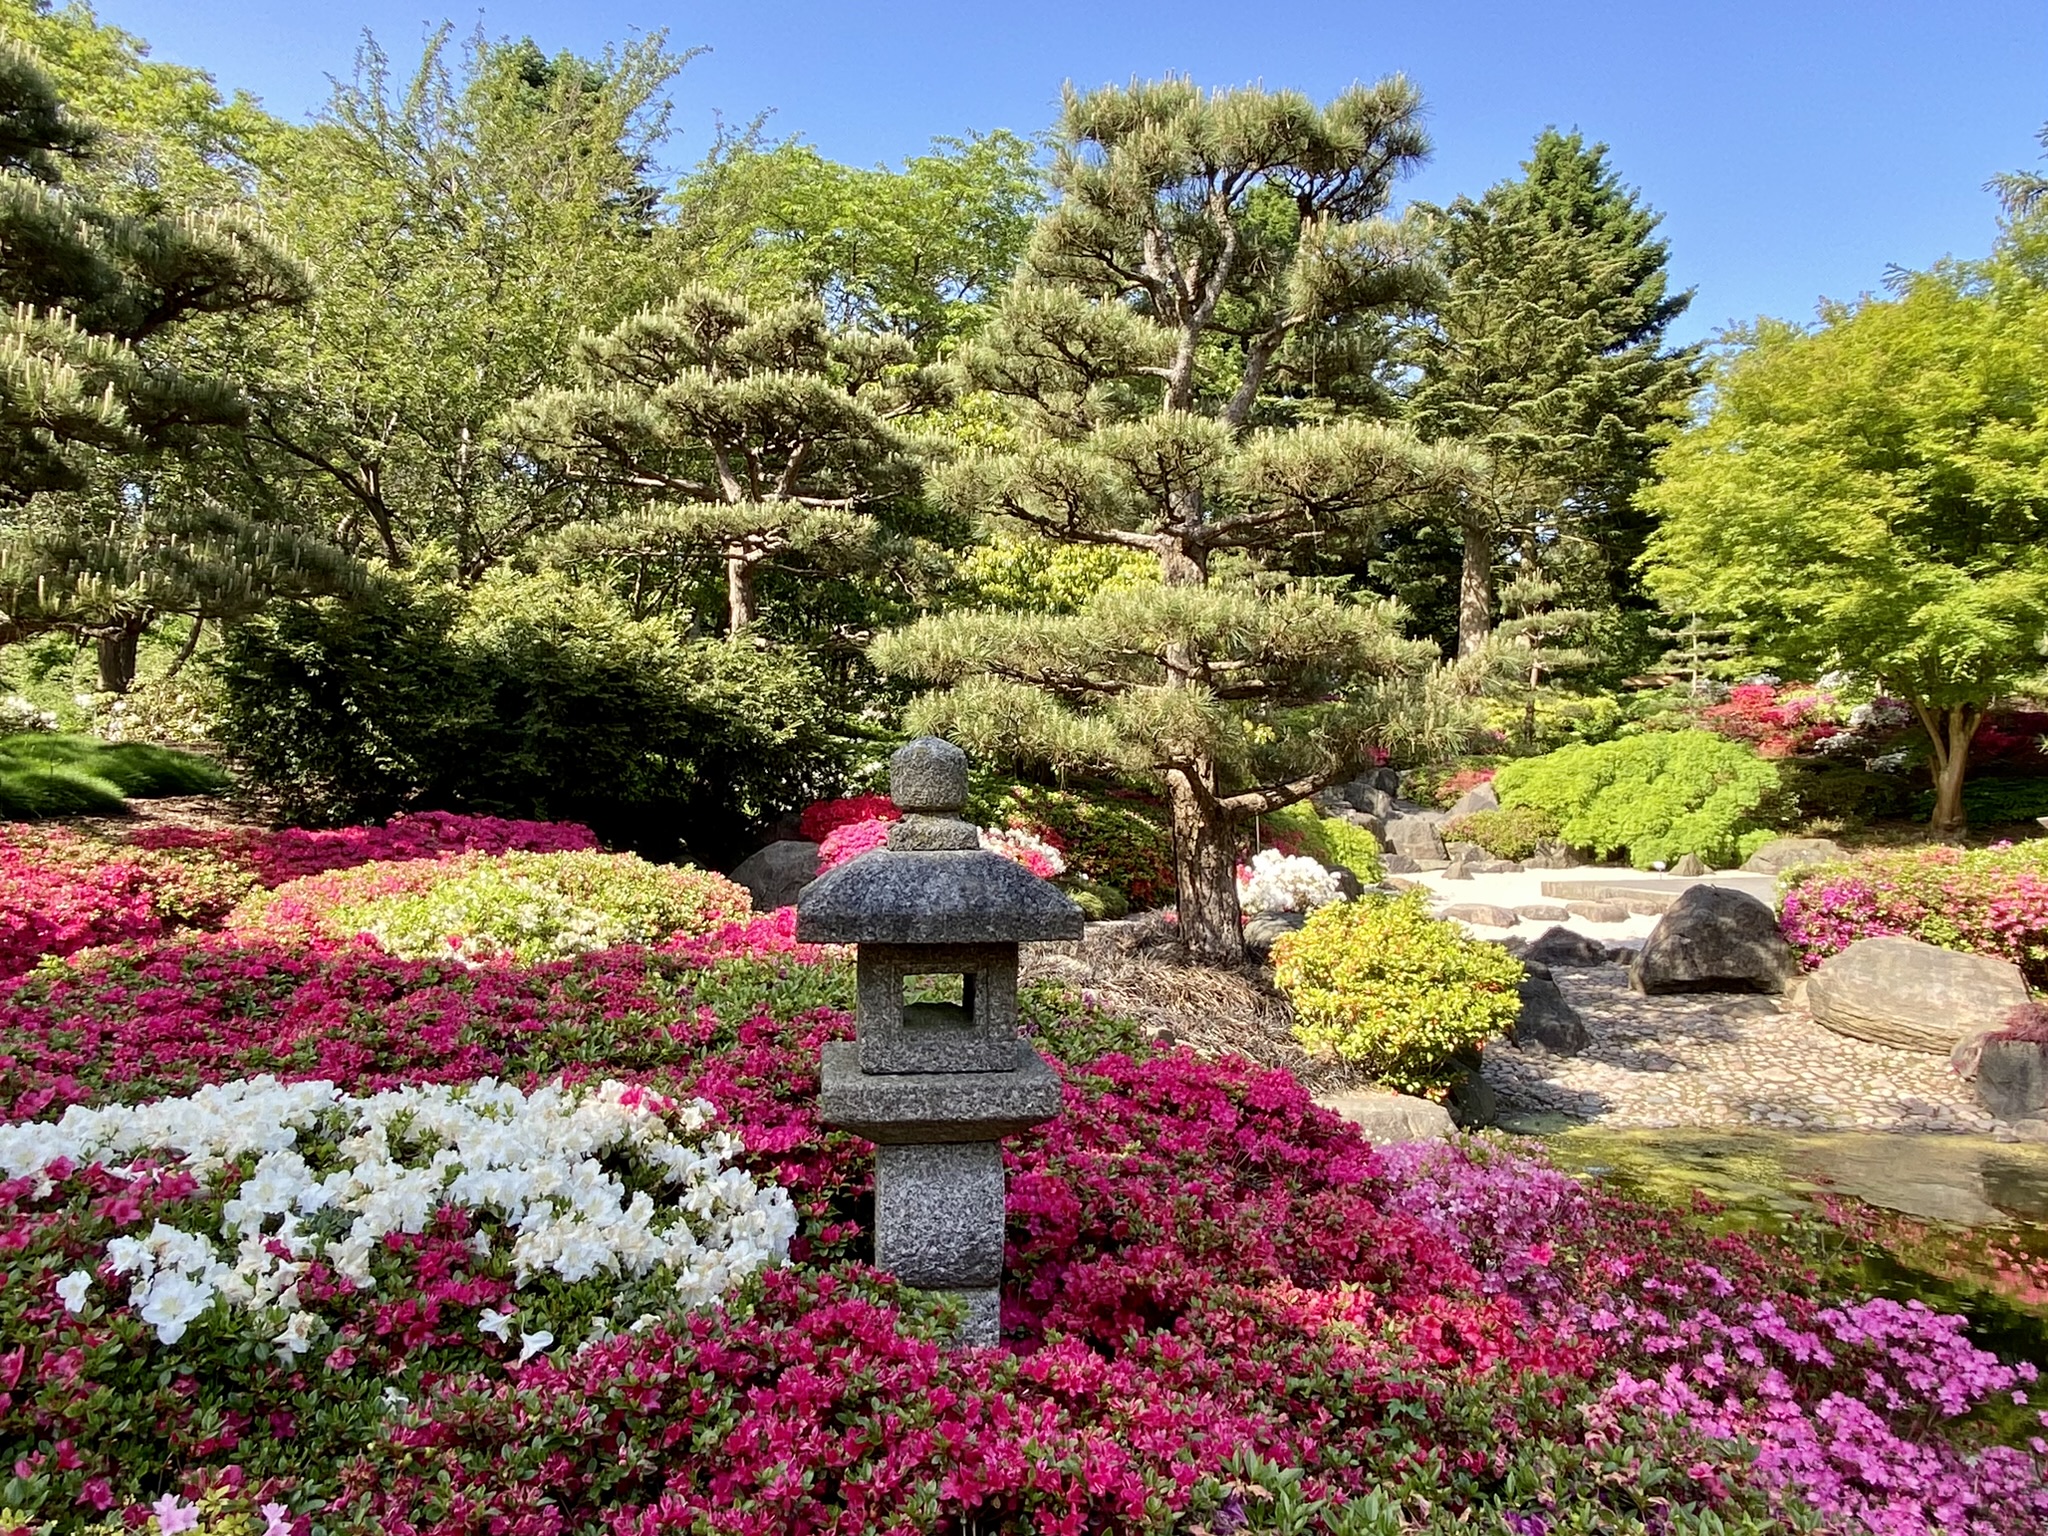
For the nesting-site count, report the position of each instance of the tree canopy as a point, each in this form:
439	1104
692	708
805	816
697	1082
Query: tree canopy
1871	495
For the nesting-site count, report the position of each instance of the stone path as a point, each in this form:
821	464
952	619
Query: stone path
1715	1059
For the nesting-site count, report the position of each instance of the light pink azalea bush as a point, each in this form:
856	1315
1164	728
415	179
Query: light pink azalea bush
1987	901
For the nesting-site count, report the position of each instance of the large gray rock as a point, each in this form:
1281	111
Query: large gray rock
1268	928
1470	853
1784	853
1476	799
2012	1078
1385	1117
1367	797
1598	911
1714	939
1905	993
1415	834
1561	946
1365	823
1542	912
777	872
1691	866
1547	1021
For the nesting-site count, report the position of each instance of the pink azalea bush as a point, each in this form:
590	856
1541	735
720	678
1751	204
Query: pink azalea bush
1988	901
1777	720
1220	1302
293	853
849	840
60	893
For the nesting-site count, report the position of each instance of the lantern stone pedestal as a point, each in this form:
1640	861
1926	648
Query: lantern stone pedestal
936	1085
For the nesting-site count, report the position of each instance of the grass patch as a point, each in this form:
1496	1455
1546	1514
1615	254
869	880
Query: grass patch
80	776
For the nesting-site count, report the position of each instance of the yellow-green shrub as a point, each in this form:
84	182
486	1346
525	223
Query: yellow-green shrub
1511	832
1328	841
1381	983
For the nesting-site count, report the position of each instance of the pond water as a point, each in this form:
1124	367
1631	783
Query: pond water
1960	1222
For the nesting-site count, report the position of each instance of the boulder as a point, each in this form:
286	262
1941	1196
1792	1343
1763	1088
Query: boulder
1480	914
1472	1102
777	872
1388	1117
1399	864
1265	930
1692	866
1458	870
1368	798
1561	946
1494	867
1598	911
1781	854
1714	939
1365	823
1471	853
1415	834
1905	993
1547	1021
1347	882
1542	912
1476	799
1388	779
2012	1077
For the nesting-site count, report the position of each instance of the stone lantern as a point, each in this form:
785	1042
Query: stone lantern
936	1085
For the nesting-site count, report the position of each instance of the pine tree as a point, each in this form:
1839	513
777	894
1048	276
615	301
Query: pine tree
104	522
747	436
1540	640
1199	240
1548	353
1700	650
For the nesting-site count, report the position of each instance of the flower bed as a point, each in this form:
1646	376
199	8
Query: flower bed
1989	901
293	853
60	893
473	907
1227	1310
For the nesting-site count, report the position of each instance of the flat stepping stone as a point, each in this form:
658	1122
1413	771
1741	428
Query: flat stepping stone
1543	912
1480	914
1597	911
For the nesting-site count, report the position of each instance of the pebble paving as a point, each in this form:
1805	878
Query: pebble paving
1715	1059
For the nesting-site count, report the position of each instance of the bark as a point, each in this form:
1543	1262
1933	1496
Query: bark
1205	863
739	595
1475	590
185	651
117	655
1951	730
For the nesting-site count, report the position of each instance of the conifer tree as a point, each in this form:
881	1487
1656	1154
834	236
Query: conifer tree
1540	640
1548	354
1197	238
745	436
102	523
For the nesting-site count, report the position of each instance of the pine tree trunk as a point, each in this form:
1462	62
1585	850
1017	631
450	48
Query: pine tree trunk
1475	590
1951	731
739	595
1205	864
117	656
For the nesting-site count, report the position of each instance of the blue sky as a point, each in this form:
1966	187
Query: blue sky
1796	149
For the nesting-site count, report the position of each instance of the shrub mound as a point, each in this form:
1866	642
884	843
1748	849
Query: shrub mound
275	857
1988	901
1111	840
60	893
1229	1312
1512	832
528	907
1655	797
1381	983
52	775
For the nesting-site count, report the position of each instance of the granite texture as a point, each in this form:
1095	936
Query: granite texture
887	897
939	1214
977	1035
922	833
1901	992
1714	938
900	1108
928	775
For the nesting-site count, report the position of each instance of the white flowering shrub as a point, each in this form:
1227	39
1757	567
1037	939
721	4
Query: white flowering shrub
19	714
608	1181
1279	882
1027	848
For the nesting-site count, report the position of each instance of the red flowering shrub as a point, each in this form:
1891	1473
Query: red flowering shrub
291	854
1988	901
821	818
1118	841
849	840
1777	721
60	893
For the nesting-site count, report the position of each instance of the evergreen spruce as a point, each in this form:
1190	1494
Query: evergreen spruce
1201	242
1547	352
747	437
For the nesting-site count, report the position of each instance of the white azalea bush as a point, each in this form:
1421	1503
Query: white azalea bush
562	1184
1281	882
